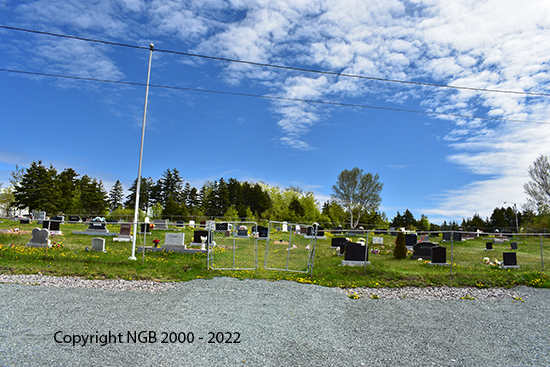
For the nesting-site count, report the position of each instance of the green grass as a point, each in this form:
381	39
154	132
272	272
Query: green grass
68	257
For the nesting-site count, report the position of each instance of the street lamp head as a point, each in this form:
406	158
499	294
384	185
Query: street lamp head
151	45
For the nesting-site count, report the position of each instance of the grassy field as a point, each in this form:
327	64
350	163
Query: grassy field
68	257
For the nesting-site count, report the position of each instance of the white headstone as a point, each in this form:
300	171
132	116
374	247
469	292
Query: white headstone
98	244
285	227
192	223
378	240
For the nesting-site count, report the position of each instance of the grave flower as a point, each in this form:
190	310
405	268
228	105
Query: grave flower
156	242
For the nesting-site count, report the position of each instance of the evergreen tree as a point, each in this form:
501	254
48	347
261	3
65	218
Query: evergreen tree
146	185
37	189
67	185
116	195
400	249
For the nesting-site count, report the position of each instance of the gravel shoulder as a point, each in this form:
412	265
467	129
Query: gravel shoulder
275	323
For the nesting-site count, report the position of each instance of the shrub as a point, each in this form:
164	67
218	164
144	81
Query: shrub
400	250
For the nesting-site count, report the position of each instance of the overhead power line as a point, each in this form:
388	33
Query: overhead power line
342	104
332	73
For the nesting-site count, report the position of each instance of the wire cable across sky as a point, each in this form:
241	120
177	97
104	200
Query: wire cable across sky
332	73
342	104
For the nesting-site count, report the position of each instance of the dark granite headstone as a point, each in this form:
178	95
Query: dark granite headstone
410	239
54	225
203	224
509	258
488	245
46	224
242	233
514	246
180	224
144	228
457	236
311	230
25	221
262	232
447	236
439	255
337	241
221	227
304	230
355	252
74	219
423	250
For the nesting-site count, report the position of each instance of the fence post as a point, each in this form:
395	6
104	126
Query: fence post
541	256
452	250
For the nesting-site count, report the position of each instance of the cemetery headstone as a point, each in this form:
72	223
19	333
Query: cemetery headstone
24	221
514	246
58	218
488	246
423	250
192	223
447	236
98	244
242	233
410	239
439	255
262	232
54	226
40	216
356	255
125	233
509	260
174	241
337	242
197	237
145	228
46	224
378	240
40	238
285	227
74	219
161	224
221	227
180	224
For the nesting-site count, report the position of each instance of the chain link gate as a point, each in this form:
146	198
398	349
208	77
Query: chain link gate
233	246
290	247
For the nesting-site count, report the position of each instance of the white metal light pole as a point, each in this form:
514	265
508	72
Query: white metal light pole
516	213
138	184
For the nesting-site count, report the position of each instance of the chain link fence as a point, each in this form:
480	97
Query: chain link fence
282	246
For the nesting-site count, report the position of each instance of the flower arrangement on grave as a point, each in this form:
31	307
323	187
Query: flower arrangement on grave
151	225
488	261
156	242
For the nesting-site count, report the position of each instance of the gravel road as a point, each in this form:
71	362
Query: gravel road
268	323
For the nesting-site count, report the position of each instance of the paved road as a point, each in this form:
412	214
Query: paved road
270	324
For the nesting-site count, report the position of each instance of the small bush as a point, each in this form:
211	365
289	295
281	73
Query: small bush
400	250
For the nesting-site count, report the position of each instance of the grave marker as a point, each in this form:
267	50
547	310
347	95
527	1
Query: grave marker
174	241
98	244
40	238
378	240
510	261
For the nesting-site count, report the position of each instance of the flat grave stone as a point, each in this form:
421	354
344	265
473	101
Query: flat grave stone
24	221
98	244
40	238
488	246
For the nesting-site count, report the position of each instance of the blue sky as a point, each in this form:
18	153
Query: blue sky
445	167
